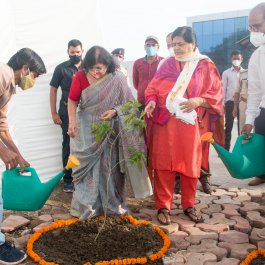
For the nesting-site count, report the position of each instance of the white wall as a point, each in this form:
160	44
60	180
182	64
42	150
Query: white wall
46	27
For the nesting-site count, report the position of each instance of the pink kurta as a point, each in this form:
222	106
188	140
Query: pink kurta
176	145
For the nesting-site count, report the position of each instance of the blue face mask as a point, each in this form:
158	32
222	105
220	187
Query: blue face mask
151	51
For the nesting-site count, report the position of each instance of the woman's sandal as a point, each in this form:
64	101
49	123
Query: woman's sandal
193	215
163	216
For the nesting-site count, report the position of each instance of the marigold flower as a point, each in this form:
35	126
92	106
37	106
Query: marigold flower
128	261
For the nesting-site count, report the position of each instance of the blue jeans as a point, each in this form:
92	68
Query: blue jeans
2	236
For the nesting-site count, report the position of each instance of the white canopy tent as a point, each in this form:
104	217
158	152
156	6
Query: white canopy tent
46	27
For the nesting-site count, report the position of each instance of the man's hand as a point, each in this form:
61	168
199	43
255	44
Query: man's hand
56	118
108	115
10	158
23	163
149	109
235	112
247	128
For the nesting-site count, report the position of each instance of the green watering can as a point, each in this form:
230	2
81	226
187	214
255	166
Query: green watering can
27	193
247	159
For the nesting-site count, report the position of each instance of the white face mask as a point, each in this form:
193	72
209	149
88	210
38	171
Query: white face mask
171	51
117	60
236	63
257	38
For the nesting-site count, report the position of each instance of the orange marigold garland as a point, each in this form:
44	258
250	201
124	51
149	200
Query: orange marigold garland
252	255
128	261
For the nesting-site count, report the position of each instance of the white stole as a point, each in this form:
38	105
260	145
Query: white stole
175	96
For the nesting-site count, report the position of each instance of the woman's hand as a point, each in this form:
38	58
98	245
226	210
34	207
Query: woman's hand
108	115
149	109
72	129
191	104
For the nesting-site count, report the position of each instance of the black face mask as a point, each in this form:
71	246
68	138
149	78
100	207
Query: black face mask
75	59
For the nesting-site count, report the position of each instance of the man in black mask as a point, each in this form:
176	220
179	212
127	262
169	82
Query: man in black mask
62	77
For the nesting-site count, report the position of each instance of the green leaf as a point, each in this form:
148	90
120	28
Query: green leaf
101	129
137	157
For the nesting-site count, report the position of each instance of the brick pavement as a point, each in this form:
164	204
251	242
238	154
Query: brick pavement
229	232
234	221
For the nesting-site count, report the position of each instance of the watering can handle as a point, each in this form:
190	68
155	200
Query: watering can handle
248	137
26	169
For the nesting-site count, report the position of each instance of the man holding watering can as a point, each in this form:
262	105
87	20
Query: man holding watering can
255	113
22	69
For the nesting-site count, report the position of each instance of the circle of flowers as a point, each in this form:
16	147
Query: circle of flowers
128	261
252	255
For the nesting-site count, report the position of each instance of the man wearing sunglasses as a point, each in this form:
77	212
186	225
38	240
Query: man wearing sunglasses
255	113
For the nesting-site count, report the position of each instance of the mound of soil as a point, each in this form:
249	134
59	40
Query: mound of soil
260	260
91	241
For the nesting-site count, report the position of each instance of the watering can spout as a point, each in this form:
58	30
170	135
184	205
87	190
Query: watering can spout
222	152
28	193
49	186
243	162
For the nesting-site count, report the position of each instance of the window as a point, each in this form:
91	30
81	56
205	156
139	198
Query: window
197	27
207	42
207	27
218	26
229	25
217	39
241	24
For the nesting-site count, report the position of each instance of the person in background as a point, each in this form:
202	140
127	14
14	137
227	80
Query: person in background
99	92
169	47
22	70
62	77
240	99
183	88
169	44
118	56
230	79
255	113
145	68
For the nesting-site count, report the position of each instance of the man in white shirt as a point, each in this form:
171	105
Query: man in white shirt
230	78
240	99
255	113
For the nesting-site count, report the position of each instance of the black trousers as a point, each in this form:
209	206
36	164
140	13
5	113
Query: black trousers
260	127
65	144
229	121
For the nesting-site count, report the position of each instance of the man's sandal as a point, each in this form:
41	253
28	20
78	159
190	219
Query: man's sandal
193	215
163	216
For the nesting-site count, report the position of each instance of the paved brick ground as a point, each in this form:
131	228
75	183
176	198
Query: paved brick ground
234	221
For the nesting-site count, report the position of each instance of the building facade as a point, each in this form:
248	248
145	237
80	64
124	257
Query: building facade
219	34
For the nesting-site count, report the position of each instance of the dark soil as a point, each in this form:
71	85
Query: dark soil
260	260
118	239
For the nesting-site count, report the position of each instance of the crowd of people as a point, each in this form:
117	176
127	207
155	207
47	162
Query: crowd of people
181	97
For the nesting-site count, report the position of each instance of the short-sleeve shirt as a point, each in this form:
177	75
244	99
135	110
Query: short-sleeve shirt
242	84
62	77
7	89
79	83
